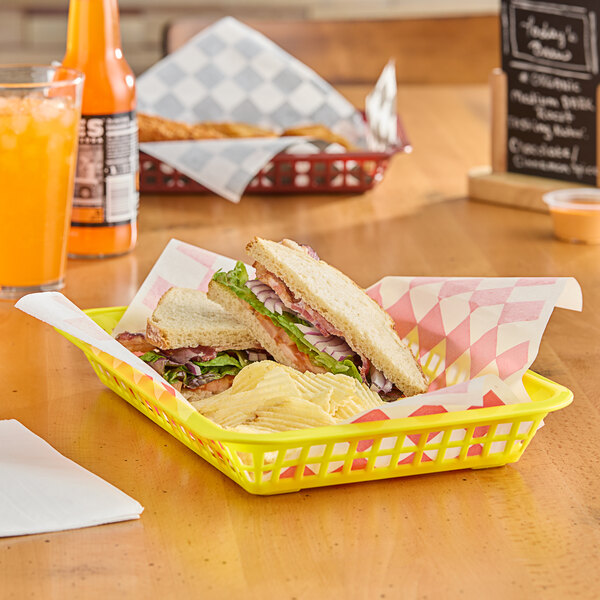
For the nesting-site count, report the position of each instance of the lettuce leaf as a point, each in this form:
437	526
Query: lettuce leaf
236	280
222	360
223	364
151	356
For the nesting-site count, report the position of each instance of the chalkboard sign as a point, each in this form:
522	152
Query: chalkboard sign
550	56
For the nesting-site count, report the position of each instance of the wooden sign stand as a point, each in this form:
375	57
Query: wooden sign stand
493	183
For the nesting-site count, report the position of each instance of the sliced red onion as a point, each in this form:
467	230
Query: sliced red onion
159	365
267	296
305	247
256	355
333	345
193	369
196	382
310	251
379	382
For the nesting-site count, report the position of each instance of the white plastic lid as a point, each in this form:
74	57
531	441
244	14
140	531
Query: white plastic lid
577	198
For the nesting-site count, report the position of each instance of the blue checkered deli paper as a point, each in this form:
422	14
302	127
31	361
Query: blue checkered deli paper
230	72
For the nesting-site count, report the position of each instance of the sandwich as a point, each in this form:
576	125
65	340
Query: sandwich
194	344
310	316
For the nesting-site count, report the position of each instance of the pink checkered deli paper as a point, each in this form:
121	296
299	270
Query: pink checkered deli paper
474	337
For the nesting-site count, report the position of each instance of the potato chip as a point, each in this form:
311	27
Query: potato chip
323	399
293	413
268	397
251	375
277	384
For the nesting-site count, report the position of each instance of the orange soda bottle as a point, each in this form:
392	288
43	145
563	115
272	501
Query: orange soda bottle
105	203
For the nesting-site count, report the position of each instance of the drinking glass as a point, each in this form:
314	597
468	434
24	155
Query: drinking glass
40	108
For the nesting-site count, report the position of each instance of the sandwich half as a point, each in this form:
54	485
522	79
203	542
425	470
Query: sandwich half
310	316
194	344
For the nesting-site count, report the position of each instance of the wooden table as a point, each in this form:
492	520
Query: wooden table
513	532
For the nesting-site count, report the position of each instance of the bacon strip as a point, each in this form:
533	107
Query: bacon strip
135	342
138	344
183	355
365	367
216	386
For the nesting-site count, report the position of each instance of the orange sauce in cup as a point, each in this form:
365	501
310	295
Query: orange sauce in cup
575	214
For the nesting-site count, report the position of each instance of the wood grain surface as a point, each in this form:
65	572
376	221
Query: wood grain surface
429	50
520	531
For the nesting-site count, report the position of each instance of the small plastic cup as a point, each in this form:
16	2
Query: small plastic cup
575	214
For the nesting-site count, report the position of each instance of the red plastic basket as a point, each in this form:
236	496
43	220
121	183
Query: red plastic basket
287	173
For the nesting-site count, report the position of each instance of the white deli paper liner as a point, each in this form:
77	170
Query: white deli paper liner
230	72
477	335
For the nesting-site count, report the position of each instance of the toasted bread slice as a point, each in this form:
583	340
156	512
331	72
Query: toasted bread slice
186	318
366	327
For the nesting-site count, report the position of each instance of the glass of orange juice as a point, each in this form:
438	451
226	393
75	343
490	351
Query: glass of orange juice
39	120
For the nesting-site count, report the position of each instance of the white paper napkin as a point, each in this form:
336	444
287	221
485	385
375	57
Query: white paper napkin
41	490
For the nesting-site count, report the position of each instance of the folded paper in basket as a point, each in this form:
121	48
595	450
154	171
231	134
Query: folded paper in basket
230	72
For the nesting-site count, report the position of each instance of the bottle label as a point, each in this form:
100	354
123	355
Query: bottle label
107	168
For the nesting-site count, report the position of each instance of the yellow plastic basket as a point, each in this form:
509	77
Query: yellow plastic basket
275	463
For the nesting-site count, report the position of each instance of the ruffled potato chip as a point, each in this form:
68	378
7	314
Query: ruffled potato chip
268	397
